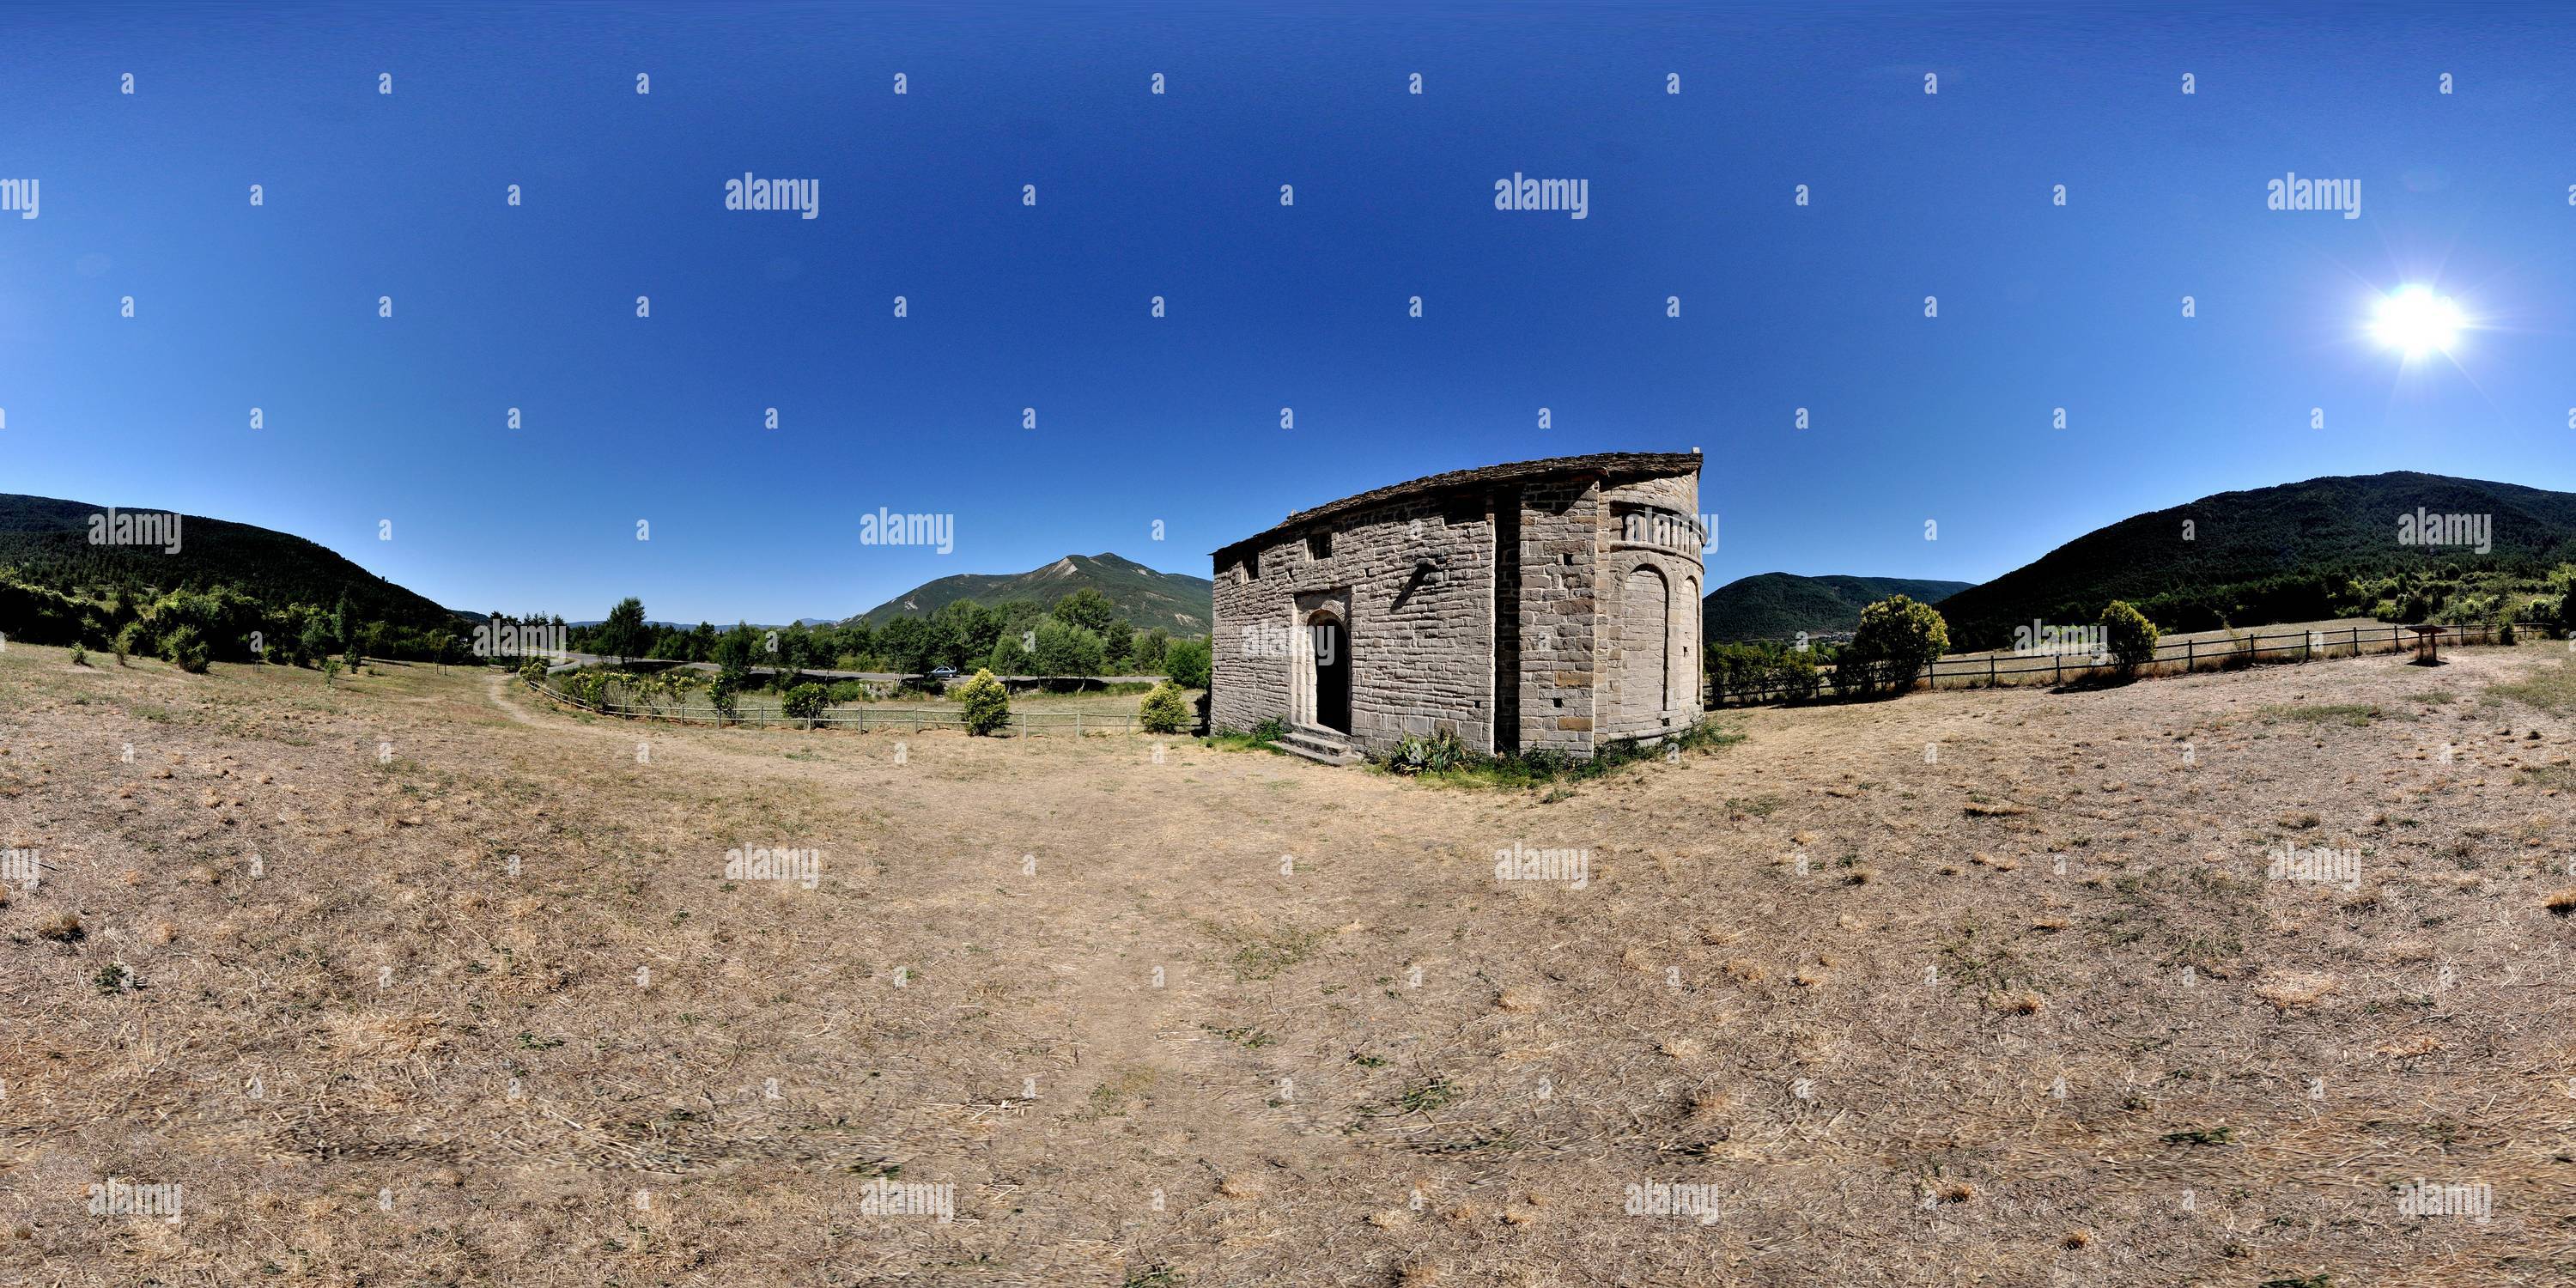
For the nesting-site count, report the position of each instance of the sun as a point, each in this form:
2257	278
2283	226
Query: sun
2416	321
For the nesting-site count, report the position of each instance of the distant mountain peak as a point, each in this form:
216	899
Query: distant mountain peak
2260	555
1781	605
1146	598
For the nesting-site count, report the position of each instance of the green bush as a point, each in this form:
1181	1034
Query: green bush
1414	754
533	670
1188	663
1164	710
804	702
185	649
1065	650
80	656
848	691
1896	638
1764	668
985	704
2129	636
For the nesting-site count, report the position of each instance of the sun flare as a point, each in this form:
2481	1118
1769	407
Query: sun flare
2416	321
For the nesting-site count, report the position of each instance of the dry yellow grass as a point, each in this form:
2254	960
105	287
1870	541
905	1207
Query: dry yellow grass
1070	980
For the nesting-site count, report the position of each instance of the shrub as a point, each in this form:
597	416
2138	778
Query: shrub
1896	638
133	638
185	649
985	704
80	656
1188	663
1270	730
533	670
1763	667
848	691
330	671
1164	710
804	702
1414	754
2129	636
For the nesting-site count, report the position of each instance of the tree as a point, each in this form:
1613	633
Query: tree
185	649
1088	609
1065	650
1189	663
1149	650
910	645
623	635
804	702
1896	638
985	704
1164	710
968	629
2129	636
1118	646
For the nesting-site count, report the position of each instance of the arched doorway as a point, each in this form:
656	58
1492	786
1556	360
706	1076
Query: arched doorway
1647	607
1329	645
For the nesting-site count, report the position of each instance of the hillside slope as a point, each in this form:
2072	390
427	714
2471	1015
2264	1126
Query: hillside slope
2324	528
47	540
1778	605
1181	604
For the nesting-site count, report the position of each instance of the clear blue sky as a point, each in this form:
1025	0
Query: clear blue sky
1177	195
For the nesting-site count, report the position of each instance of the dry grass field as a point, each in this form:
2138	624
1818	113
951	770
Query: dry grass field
410	981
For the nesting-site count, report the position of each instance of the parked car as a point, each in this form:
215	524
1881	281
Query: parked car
943	673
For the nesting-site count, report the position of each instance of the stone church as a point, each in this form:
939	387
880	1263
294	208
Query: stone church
1547	605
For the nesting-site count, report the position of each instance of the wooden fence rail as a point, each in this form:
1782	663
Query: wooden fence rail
2175	657
863	719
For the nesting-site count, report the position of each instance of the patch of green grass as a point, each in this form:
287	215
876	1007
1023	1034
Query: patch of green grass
1425	1096
2551	688
1153	1277
2357	714
1531	770
2562	777
1757	807
1250	1039
1261	737
2201	1136
1265	956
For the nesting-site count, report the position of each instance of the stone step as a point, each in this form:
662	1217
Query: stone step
1324	747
